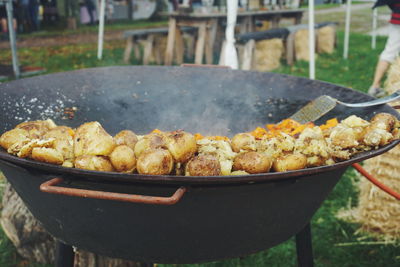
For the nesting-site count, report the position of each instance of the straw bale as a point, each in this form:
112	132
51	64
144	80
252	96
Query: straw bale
377	212
326	37
301	45
267	54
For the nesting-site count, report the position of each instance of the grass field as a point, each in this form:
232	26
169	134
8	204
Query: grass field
329	233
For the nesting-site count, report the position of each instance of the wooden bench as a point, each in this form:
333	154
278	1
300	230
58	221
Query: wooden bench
148	38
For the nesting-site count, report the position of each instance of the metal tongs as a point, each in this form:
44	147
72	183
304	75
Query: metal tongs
323	104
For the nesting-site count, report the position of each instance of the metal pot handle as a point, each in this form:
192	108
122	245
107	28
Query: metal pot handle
373	180
52	188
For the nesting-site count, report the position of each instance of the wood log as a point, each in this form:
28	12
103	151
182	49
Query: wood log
34	244
25	232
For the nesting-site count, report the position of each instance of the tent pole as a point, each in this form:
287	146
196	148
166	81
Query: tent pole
101	30
13	42
347	30
311	38
374	26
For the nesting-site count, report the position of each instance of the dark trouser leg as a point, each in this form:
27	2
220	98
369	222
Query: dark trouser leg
304	247
64	255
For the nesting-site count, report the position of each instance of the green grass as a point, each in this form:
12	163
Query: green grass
328	231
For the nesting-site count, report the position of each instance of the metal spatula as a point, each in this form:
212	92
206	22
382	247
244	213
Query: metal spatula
323	104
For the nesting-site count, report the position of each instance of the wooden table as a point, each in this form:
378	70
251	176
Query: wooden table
207	24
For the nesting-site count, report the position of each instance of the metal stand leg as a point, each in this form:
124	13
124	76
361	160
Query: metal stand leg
64	255
305	256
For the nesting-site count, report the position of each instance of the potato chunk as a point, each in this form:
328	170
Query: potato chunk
91	139
150	141
243	141
48	155
63	141
181	145
155	162
252	162
384	121
37	129
203	165
93	163
123	159
12	137
290	162
127	138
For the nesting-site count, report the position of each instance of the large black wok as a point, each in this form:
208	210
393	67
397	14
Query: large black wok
217	217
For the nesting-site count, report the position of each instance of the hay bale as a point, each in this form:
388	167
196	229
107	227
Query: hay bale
326	37
267	54
301	45
377	212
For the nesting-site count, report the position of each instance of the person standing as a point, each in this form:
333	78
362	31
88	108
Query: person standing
3	19
34	14
392	47
91	8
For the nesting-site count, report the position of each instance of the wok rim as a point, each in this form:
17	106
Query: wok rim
75	173
54	170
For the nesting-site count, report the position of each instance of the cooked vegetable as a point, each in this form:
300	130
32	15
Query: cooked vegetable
63	141
181	145
123	159
127	138
36	129
286	146
49	155
203	165
252	162
155	161
91	139
290	162
12	137
93	163
243	142
150	141
384	121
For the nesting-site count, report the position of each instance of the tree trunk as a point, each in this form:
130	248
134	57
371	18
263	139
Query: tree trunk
33	242
25	232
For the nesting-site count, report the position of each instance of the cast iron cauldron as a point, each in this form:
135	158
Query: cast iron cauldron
209	218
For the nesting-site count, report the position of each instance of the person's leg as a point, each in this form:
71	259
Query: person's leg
392	48
380	71
4	25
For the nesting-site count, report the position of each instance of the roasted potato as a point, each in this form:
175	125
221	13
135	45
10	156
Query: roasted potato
123	159
93	163
181	145
12	137
26	148
150	141
91	139
63	141
37	129
49	155
252	162
384	121
203	165
344	137
155	162
376	136
126	137
290	162
244	142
